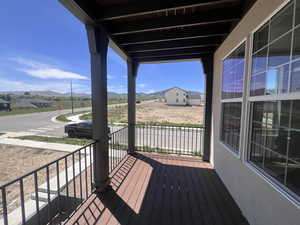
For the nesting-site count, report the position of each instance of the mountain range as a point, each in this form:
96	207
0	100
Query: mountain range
111	95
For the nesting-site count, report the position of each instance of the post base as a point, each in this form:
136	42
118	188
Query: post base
103	187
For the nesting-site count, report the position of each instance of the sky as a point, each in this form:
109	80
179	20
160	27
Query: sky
43	47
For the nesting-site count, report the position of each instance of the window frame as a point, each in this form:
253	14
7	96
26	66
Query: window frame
237	153
250	100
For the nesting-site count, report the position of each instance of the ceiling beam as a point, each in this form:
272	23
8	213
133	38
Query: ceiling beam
163	23
140	8
174	34
177	44
189	51
176	58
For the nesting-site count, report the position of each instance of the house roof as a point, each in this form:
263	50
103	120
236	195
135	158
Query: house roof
176	88
24	104
156	30
2	101
39	101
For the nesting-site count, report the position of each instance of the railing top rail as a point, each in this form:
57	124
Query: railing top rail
159	125
45	166
123	128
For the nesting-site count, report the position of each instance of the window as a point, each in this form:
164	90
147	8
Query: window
232	91
176	99
275	123
177	94
230	134
275	65
233	74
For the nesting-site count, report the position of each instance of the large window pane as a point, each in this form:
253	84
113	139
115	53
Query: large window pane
275	140
259	61
296	44
293	174
233	74
258	84
231	120
261	37
280	51
295	77
274	143
297	16
281	22
275	164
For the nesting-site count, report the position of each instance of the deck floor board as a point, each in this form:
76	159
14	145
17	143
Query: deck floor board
161	189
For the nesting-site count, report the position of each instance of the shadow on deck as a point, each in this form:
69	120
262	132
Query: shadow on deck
161	189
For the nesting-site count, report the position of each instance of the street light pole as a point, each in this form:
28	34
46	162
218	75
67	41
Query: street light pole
72	98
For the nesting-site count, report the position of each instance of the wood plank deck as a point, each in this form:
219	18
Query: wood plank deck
152	189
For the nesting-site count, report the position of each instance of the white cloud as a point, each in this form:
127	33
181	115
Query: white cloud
62	87
142	85
45	71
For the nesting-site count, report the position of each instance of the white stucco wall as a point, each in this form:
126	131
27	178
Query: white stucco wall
176	93
261	201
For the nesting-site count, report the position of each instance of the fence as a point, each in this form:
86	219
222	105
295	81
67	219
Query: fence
170	139
49	194
118	146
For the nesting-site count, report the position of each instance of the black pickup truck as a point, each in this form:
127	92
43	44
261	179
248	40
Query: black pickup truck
80	130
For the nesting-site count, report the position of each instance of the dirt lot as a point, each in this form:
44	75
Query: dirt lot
157	112
16	161
160	112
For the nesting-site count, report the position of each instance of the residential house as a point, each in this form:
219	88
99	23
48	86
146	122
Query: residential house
4	105
176	96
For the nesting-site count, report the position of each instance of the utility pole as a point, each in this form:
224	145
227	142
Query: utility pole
72	98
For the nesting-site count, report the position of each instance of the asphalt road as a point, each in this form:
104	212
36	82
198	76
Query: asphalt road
38	123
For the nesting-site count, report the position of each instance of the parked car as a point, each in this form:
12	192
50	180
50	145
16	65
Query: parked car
80	130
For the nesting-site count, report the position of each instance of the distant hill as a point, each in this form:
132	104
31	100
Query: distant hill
111	95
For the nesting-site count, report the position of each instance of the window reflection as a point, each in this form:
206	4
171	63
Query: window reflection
272	55
260	38
230	134
281	22
295	77
233	73
275	140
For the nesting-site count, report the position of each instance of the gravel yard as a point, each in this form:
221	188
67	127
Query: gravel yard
160	112
16	161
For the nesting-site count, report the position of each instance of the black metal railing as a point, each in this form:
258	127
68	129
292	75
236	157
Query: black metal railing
169	139
118	146
50	193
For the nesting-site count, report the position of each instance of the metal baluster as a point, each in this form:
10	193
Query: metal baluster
48	195
22	202
4	206
85	171
80	174
37	197
91	166
74	180
58	186
67	180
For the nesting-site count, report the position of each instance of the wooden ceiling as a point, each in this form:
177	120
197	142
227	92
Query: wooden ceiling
155	30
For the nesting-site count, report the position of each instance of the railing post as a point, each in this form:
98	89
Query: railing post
208	64
132	68
98	46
